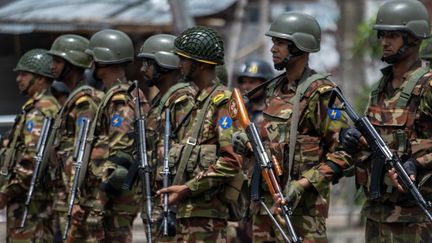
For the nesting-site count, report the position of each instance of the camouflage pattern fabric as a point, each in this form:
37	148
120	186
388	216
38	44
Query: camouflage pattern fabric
407	131
38	227
82	105
114	142
377	232
316	145
201	230
179	102
211	164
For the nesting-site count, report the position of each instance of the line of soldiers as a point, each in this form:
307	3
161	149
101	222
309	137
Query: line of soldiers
210	159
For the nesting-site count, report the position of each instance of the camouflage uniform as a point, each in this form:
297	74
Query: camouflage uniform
81	103
202	216
402	117
27	130
317	155
114	147
180	101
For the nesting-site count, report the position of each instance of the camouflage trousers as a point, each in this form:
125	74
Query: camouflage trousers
88	230
397	232
38	226
310	229
240	231
201	230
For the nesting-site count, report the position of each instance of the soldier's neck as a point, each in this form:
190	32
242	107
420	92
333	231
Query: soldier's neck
165	83
204	80
400	68
73	79
294	69
112	76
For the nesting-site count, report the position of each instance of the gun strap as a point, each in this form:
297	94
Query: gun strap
168	94
301	90
412	81
262	86
192	141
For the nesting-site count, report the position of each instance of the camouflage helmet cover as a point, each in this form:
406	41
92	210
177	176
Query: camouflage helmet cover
35	61
404	15
160	49
255	68
72	49
300	28
111	47
202	44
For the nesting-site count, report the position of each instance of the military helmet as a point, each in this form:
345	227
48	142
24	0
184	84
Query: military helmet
35	61
255	68
300	28
72	49
111	47
160	48
404	15
202	44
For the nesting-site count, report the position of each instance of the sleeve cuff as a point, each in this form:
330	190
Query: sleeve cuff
318	181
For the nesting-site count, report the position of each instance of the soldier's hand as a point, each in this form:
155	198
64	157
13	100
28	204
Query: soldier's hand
410	165
350	139
293	193
3	200
241	144
77	213
176	193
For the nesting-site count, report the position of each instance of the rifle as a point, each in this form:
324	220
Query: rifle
238	111
141	166
380	149
79	158
166	171
40	156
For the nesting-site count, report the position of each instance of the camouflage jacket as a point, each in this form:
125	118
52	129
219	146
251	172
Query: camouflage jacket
114	145
41	105
317	150
82	104
212	162
407	131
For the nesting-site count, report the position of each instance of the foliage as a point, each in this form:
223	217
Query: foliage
366	42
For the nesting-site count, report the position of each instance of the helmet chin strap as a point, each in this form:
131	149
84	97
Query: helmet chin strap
66	70
188	76
392	59
293	52
31	83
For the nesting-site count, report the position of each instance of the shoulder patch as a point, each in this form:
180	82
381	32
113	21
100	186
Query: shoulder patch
324	88
119	97
225	122
430	82
29	126
83	99
220	98
116	120
334	114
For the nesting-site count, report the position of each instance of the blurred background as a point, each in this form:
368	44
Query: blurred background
349	51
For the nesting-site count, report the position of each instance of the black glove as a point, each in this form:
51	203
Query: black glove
171	223
410	165
349	138
239	142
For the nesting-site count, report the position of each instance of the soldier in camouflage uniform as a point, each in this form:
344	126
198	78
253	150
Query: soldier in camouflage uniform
69	62
17	162
203	162
113	149
297	122
60	91
160	69
400	109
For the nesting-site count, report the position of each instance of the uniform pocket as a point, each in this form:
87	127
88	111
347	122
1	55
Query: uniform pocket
174	157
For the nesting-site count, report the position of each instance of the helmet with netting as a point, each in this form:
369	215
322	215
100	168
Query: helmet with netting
72	49
160	48
111	47
202	44
404	15
35	61
300	28
255	68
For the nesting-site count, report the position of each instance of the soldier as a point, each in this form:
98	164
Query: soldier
299	130
203	163
17	162
160	69
60	91
69	63
112	153
400	109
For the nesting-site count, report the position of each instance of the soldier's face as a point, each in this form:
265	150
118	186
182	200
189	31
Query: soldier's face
247	83
23	80
279	50
391	42
147	69
57	67
185	67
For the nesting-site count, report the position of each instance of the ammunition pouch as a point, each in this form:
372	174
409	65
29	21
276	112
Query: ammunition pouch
115	181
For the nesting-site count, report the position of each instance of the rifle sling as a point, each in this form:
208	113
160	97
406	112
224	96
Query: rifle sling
189	146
